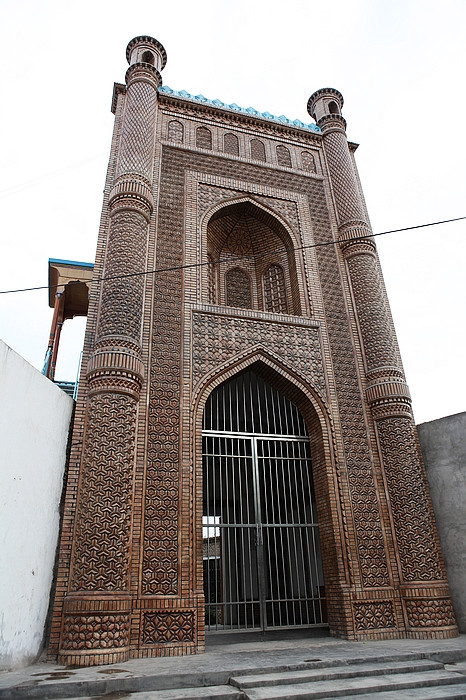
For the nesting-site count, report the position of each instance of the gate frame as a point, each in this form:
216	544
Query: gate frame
254	439
318	424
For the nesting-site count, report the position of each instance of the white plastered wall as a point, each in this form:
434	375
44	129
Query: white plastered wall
34	424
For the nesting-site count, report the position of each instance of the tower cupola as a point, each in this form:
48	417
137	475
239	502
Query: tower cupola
324	102
145	49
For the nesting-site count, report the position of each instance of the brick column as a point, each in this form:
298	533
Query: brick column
96	613
427	608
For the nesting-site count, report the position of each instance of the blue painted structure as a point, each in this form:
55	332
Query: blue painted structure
233	107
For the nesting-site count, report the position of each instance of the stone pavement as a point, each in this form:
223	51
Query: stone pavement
225	656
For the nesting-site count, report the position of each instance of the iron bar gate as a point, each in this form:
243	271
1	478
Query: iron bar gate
261	553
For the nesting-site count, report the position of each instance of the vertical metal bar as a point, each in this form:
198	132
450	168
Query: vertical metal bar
243	392
259	547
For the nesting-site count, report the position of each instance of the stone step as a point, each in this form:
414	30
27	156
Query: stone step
444	692
144	681
212	692
362	685
334	672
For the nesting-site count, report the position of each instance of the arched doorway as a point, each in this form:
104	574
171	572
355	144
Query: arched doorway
261	552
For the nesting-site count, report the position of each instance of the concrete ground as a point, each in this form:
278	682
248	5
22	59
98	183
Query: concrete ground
225	656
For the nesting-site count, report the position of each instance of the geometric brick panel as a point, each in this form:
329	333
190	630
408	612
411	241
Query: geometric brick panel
165	626
370	616
81	632
430	613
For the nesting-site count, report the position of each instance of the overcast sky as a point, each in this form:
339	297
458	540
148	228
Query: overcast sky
400	65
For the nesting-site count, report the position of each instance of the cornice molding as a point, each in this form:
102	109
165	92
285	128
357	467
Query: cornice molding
234	113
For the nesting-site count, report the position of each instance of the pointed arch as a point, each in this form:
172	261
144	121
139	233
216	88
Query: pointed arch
242	232
274	289
257	150
318	424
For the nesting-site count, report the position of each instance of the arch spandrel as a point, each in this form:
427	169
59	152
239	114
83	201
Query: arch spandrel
257	354
221	340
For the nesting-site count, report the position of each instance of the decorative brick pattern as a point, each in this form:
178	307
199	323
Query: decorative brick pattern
167	626
161	508
136	147
219	338
212	279
373	313
358	461
88	632
257	150
283	156
204	138
346	193
366	515
308	161
430	613
274	290
413	519
131	552
238	288
376	615
127	255
230	144
101	556
175	131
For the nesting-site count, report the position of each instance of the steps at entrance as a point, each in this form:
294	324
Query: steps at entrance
323	674
444	692
274	675
212	692
421	679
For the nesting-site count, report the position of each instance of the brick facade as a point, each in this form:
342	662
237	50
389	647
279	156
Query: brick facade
254	227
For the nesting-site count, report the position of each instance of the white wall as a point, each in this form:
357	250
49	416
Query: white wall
34	423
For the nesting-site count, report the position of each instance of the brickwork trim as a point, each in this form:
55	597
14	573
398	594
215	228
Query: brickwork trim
216	115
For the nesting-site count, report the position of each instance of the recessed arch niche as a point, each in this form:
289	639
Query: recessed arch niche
244	237
318	430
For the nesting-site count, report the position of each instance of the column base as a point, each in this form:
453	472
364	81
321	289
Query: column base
95	630
428	610
170	626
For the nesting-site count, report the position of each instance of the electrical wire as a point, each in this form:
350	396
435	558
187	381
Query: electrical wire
175	268
9	191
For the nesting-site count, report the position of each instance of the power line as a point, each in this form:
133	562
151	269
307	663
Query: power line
240	257
9	191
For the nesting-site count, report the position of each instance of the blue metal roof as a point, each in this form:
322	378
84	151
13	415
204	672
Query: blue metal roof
57	261
235	108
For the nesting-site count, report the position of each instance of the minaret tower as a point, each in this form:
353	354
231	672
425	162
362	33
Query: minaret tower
97	606
423	606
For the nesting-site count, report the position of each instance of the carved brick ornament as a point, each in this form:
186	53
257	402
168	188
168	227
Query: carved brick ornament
371	616
101	558
95	632
165	627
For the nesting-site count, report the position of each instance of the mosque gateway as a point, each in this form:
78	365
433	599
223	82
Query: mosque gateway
244	454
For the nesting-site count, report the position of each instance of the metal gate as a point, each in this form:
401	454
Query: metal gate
261	554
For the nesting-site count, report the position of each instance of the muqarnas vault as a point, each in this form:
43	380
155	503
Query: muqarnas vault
244	453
